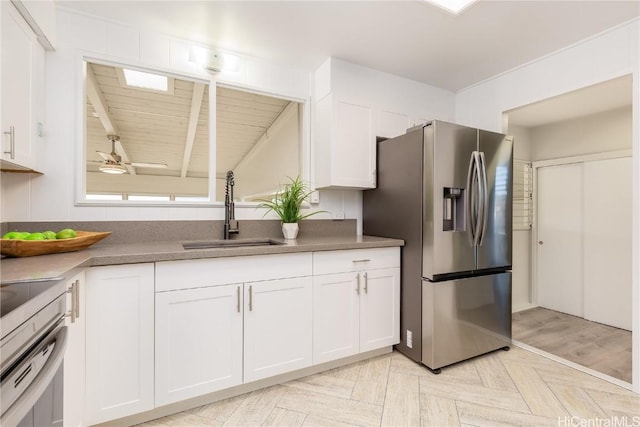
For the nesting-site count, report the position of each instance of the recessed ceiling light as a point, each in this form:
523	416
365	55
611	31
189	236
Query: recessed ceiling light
146	80
453	6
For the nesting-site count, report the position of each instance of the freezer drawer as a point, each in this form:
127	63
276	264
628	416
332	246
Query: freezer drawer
464	318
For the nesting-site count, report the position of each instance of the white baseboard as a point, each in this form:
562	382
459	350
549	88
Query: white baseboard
522	307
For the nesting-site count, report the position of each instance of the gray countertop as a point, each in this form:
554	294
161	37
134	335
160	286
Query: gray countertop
66	264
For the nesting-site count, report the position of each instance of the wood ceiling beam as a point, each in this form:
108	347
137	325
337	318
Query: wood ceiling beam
196	104
97	99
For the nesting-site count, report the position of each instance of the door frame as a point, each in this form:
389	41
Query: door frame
534	222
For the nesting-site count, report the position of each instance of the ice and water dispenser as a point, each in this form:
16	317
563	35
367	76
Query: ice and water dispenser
453	209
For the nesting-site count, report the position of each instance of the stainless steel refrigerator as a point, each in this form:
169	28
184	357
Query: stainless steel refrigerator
446	189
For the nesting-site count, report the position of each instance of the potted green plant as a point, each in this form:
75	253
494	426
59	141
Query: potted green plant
287	204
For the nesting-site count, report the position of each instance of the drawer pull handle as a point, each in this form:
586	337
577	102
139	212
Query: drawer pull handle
250	298
238	305
366	283
358	284
360	260
74	312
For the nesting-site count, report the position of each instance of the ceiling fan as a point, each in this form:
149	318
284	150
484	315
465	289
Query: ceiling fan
113	161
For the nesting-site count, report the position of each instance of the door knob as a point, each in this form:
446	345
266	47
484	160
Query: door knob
540	242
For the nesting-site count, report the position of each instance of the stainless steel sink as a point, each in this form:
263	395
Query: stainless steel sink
220	244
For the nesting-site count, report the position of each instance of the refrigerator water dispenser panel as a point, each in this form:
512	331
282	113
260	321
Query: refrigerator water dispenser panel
453	209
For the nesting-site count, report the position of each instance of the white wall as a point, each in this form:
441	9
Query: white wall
597	133
611	54
51	197
521	142
521	258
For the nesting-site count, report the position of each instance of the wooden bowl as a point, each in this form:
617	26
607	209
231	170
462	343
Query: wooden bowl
22	248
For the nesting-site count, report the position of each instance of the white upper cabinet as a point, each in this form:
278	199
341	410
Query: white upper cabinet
352	106
22	90
345	146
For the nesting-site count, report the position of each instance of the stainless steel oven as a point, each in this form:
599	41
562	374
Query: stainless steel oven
32	346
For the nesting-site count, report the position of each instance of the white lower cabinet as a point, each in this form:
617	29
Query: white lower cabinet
277	330
119	341
161	333
380	308
198	341
212	335
357	310
336	324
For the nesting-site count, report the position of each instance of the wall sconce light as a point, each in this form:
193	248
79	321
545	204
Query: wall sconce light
214	61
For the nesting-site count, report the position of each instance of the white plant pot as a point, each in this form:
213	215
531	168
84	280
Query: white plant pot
290	230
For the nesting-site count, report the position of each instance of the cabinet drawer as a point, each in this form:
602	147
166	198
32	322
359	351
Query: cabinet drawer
355	260
197	273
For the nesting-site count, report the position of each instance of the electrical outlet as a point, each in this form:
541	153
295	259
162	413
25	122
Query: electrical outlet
409	339
314	197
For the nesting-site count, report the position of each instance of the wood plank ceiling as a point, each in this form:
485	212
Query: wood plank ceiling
172	128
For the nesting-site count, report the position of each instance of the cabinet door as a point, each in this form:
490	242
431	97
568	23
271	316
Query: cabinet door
74	357
354	154
345	149
21	55
119	341
379	308
198	341
336	320
277	330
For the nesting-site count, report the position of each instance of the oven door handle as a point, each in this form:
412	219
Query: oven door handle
16	412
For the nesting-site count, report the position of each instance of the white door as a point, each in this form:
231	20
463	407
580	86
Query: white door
277	327
198	341
119	341
336	316
379	308
607	241
559	232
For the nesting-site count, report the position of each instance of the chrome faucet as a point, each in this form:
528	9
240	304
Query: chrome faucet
230	223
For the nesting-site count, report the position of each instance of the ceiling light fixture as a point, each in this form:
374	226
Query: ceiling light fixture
112	167
453	6
214	61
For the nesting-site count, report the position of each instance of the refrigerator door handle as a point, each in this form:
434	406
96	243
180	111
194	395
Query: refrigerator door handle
476	198
478	205
470	200
484	200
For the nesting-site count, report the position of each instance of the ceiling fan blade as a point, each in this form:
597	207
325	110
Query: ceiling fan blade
146	165
106	156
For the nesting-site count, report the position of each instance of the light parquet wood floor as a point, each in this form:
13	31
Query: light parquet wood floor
514	388
600	347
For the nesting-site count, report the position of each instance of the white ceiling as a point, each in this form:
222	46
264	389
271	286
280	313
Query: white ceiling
414	39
